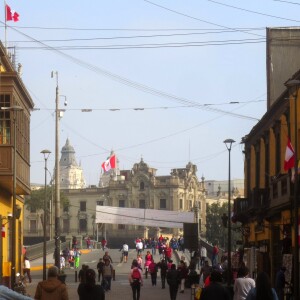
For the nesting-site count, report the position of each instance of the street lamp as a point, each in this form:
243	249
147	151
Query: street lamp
46	154
228	143
14	109
294	85
57	178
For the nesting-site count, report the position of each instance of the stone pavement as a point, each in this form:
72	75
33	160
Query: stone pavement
120	288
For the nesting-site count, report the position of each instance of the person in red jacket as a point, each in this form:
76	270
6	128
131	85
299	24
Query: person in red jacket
183	273
153	272
168	253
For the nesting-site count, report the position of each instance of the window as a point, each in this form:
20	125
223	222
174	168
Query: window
101	203
190	204
142	185
5	120
180	204
66	208
32	226
163	204
82	225
82	205
142	203
121	203
32	209
66	225
121	226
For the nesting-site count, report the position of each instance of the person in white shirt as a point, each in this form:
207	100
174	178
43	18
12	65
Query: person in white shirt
139	247
26	269
125	250
243	284
203	255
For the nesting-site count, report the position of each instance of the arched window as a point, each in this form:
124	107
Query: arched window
142	185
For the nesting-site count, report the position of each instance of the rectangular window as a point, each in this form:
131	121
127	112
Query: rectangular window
66	208
5	126
82	205
163	203
66	225
32	209
142	203
180	204
32	226
83	225
101	203
121	203
121	226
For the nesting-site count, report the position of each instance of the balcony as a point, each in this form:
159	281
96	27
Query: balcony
6	171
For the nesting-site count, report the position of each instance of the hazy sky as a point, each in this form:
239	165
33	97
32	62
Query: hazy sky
170	58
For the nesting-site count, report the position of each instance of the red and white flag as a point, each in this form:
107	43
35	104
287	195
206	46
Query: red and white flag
289	160
109	164
11	15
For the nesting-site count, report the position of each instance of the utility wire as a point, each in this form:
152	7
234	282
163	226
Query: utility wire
198	19
147	46
253	12
135	36
142	87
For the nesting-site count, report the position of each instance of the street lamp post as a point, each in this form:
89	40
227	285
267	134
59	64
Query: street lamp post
228	143
57	178
294	85
46	154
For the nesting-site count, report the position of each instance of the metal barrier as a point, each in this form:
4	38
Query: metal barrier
36	251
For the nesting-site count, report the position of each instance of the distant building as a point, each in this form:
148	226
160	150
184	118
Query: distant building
71	174
139	187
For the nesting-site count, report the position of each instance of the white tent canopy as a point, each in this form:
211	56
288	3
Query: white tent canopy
143	217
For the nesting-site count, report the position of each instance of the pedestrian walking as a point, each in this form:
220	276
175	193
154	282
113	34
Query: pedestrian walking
125	249
215	290
77	254
108	273
162	265
203	255
263	289
100	266
52	288
183	273
82	273
215	253
135	280
26	270
106	257
243	284
153	272
90	290
280	283
173	280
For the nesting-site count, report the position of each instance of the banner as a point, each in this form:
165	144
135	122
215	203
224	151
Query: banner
143	217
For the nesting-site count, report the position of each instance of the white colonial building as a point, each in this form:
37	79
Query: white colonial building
139	187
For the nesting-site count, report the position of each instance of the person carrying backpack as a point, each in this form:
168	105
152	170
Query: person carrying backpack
136	280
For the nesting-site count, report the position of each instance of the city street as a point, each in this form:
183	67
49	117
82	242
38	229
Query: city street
120	287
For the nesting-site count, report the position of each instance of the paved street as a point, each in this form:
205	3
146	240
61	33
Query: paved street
120	288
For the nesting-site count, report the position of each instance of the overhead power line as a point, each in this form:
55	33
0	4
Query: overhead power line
138	86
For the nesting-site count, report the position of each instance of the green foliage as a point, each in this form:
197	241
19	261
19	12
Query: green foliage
35	201
215	231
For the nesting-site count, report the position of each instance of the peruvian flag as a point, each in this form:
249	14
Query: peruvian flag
109	164
289	160
11	15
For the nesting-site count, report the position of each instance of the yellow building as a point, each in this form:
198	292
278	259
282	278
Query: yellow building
267	211
15	106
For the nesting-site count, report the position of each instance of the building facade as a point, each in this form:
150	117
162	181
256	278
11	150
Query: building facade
15	107
139	187
267	211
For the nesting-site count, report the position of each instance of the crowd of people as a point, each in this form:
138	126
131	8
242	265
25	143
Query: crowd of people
209	283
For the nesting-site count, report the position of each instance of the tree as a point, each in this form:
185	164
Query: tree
35	201
216	232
